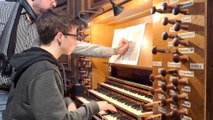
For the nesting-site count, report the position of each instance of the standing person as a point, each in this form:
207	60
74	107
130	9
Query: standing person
27	37
37	91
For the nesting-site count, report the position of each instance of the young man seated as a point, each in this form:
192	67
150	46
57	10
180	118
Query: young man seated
37	90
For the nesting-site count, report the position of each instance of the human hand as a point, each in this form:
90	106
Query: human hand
123	46
71	107
103	105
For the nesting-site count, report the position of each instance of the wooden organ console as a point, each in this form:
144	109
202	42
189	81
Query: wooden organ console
173	78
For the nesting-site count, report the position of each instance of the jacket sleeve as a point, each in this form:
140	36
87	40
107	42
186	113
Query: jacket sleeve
92	50
47	102
67	101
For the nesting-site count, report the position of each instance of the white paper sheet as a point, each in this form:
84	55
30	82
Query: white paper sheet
135	35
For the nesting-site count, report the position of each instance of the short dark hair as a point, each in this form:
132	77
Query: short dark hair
51	22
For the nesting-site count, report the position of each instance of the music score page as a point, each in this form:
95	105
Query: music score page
134	35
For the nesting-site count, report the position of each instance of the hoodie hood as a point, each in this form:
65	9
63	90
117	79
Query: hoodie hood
28	57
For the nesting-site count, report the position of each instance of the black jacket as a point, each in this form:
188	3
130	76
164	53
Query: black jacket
37	90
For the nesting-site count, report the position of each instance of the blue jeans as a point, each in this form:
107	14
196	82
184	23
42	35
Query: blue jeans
3	102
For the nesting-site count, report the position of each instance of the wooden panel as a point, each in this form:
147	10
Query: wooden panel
209	60
145	58
101	35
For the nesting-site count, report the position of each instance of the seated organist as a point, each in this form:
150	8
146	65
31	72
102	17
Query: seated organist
37	91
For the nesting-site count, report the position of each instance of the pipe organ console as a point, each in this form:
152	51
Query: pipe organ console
173	77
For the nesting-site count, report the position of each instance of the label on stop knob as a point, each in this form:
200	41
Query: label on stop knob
198	66
184	117
186	50
186	73
173	64
186	88
186	103
157	63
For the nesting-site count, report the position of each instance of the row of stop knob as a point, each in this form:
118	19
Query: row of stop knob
177	24
174	9
174	98
172	114
177	40
177	56
163	87
163	102
175	81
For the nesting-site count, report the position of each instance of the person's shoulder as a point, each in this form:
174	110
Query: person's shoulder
6	7
42	66
6	4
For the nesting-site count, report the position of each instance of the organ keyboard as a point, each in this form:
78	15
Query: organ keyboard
131	108
127	96
104	115
141	97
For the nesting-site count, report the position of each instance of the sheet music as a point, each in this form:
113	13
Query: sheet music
134	35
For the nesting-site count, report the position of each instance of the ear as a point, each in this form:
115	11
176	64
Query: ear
58	38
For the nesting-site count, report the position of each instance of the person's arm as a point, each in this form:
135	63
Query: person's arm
103	105
47	102
93	50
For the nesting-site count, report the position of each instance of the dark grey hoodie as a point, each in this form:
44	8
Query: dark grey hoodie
37	90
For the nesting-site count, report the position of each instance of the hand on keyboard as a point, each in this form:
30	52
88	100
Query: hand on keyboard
103	105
